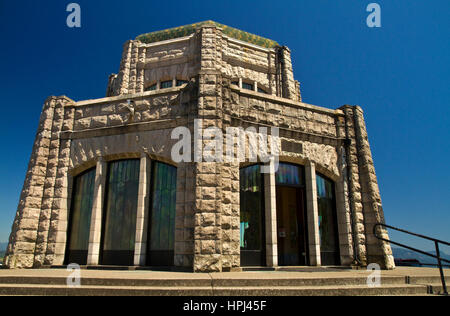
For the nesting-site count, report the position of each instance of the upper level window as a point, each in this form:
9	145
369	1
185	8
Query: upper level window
261	90
236	83
151	88
247	86
166	84
181	82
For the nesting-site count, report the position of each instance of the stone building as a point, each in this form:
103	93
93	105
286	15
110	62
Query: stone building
102	187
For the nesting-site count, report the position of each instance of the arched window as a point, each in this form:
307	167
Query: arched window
329	243
162	219
80	218
252	216
120	212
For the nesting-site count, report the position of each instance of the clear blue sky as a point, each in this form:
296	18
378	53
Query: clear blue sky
399	74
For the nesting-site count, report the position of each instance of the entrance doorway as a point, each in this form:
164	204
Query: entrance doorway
291	227
291	216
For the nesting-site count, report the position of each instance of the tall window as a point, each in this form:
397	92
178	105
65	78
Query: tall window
80	218
120	212
252	216
162	223
329	245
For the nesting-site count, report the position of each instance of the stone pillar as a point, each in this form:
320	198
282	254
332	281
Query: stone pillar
140	250
312	214
123	78
377	251
184	218
287	75
271	217
57	233
55	187
344	221
141	70
354	188
32	221
97	210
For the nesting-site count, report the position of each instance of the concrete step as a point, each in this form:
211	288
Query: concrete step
272	281
356	290
434	283
428	279
342	290
436	288
62	290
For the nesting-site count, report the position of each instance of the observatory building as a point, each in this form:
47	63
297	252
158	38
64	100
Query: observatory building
141	177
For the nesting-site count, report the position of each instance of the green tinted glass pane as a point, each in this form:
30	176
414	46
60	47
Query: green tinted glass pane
151	88
247	86
288	174
181	82
166	84
251	200
162	226
327	215
121	205
82	201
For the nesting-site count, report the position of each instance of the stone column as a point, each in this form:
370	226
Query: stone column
141	70
343	212
132	86
123	78
140	250
28	239
213	178
57	233
377	251
271	217
287	75
312	214
354	189
97	209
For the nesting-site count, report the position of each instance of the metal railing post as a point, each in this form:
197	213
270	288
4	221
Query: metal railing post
441	271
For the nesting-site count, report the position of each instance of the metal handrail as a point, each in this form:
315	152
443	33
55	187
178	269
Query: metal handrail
436	243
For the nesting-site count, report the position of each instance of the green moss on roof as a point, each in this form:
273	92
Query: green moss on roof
186	30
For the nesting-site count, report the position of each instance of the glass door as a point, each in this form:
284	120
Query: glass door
291	215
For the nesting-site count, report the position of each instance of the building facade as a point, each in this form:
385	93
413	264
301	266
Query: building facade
103	187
